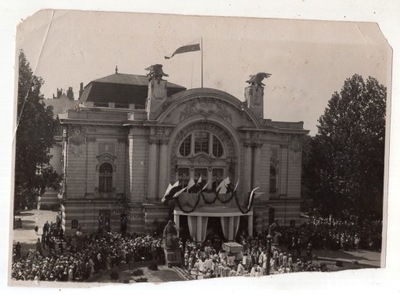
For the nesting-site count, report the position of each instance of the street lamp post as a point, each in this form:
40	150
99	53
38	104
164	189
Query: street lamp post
269	240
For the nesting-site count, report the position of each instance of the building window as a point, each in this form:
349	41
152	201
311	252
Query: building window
74	224
217	147
183	176
185	148
200	172
105	177
101	104
217	177
121	105
272	180
201	142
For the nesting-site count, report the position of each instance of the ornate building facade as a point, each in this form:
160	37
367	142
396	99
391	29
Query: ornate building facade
134	135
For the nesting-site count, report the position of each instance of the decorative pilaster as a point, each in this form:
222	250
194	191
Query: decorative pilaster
256	164
152	185
163	173
247	166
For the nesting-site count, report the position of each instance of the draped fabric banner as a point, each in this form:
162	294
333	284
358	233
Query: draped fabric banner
225	226
204	223
236	226
192	223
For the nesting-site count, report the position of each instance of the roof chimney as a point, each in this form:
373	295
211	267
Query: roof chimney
80	90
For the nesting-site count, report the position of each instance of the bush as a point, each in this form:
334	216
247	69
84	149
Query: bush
114	275
140	279
137	272
339	263
153	266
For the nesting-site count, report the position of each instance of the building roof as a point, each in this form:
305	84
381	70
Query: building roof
60	105
122	88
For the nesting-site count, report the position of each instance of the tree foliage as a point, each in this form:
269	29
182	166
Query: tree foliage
345	168
34	138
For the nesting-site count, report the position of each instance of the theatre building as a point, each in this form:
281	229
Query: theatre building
133	135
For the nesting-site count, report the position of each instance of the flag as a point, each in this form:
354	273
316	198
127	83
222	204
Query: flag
177	194
191	47
237	183
252	194
171	190
223	186
205	186
190	184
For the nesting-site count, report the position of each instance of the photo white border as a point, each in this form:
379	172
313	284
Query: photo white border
366	282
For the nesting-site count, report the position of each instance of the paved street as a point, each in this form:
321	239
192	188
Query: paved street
30	219
363	257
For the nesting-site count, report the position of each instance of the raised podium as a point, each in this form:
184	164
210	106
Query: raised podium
233	249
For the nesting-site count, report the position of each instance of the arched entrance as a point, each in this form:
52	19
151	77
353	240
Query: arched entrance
203	149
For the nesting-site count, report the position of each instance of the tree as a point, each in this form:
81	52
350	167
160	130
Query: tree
34	138
347	154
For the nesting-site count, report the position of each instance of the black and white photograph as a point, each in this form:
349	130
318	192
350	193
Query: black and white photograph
156	148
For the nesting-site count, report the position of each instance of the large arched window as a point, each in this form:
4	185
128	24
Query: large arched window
272	180
201	142
105	177
186	146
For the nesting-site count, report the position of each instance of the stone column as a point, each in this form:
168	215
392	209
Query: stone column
131	161
247	165
256	165
199	228
250	225
231	226
163	173
152	185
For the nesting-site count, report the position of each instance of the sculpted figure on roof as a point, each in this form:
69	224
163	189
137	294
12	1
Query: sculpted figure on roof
258	78
156	72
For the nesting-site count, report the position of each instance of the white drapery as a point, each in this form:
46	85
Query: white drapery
192	223
198	227
204	227
229	231
225	226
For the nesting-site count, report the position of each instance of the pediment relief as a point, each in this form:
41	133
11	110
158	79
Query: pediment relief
206	107
106	157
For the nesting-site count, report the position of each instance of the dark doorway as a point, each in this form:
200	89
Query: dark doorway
271	215
184	233
243	231
214	234
124	223
104	220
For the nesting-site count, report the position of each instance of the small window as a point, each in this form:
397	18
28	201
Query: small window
105	177
121	105
218	151
184	150
200	172
201	142
74	224
217	177
183	176
101	104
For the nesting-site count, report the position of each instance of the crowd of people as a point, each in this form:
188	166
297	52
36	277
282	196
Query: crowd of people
335	234
210	260
77	258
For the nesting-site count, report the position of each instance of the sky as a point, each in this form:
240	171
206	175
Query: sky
308	60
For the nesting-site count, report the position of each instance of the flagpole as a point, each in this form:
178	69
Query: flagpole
201	48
